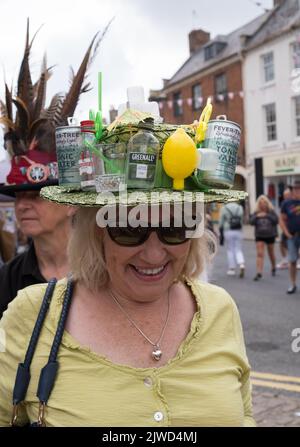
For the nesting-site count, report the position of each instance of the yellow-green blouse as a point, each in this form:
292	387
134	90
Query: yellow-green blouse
206	384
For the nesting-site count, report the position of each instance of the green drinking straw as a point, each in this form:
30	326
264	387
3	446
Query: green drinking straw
92	115
98	120
99	154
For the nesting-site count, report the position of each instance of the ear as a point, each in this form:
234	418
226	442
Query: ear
71	210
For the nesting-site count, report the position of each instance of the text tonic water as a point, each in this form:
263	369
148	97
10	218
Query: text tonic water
68	148
223	136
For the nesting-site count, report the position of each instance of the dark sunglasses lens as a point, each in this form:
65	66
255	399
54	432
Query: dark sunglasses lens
127	236
173	235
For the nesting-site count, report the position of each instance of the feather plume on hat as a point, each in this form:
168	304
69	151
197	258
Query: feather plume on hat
20	128
29	126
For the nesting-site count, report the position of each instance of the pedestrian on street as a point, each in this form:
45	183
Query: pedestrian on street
290	224
265	221
284	263
231	226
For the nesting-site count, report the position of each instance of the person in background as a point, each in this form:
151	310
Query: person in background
231	225
265	221
7	234
31	146
290	225
284	264
49	226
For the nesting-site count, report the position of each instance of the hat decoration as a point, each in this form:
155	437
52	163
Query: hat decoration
29	126
140	156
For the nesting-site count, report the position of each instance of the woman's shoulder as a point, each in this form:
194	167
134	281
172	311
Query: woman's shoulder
219	313
23	310
211	294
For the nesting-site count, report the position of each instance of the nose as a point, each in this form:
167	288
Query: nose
153	250
22	203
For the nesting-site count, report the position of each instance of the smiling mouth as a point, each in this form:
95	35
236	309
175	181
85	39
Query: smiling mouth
149	272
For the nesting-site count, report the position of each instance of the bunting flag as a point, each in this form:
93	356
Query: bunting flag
180	102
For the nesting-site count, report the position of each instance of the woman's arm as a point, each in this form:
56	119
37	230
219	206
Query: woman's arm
15	333
253	219
246	390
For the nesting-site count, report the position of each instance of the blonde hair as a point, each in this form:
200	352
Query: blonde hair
265	199
86	253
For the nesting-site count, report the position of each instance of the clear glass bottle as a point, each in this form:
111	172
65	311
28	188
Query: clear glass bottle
142	157
86	163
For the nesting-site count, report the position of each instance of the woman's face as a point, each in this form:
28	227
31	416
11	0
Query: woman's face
263	206
145	272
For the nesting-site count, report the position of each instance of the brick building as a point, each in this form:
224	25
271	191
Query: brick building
213	69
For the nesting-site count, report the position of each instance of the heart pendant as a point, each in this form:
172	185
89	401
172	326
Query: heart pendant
156	354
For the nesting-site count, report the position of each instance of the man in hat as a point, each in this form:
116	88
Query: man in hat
290	224
30	140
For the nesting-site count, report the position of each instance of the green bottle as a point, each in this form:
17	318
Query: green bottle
142	157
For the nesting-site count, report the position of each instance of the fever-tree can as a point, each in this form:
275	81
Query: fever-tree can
224	136
68	148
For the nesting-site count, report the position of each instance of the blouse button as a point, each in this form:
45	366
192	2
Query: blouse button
158	416
148	382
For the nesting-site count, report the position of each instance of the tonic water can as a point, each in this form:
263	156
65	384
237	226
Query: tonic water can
223	136
68	148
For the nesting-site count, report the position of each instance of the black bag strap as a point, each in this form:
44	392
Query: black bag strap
23	372
49	372
232	214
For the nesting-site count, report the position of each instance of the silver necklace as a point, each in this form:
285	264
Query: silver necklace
157	352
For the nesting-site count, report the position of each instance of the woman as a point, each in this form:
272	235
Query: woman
265	221
231	231
145	342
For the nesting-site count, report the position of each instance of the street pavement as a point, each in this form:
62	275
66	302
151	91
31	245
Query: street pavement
268	316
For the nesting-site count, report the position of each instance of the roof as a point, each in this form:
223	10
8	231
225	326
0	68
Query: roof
282	19
196	61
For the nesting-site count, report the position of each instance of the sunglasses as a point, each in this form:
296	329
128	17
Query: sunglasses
132	237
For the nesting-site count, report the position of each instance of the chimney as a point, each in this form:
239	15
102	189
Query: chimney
113	113
198	38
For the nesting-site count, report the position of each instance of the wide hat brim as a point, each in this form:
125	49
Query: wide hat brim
10	190
69	196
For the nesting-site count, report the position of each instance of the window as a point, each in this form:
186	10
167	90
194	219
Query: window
208	52
197	97
221	84
268	67
270	114
296	55
177	104
297	115
213	50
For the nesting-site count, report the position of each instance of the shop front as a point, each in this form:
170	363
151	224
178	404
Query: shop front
279	172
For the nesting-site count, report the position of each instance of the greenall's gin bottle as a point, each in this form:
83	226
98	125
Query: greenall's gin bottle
142	157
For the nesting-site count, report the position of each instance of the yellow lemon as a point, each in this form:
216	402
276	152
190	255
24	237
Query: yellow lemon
179	157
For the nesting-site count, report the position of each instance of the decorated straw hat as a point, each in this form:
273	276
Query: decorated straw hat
29	126
194	186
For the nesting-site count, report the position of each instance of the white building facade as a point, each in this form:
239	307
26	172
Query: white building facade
271	83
